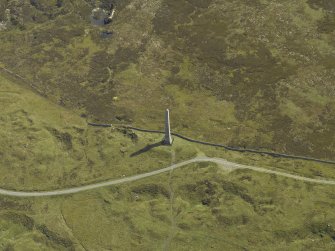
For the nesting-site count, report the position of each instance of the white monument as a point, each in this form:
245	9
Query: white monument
167	139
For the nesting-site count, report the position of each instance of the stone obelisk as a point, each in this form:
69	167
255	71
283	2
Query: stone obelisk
167	138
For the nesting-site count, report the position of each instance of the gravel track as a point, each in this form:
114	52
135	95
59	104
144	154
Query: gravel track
221	162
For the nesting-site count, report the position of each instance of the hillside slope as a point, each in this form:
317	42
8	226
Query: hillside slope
198	207
247	73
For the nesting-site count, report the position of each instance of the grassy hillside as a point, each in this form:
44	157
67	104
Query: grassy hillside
247	73
195	208
199	207
40	142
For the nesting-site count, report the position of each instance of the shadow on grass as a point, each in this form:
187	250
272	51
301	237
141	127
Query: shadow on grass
146	148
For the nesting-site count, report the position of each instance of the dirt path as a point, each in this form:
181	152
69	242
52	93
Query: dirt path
222	162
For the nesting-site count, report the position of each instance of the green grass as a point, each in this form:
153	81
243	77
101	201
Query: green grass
197	207
254	73
247	73
211	209
41	141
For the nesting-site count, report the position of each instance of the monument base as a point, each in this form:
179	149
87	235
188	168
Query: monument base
167	142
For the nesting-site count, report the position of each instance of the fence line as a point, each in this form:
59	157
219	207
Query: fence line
229	148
